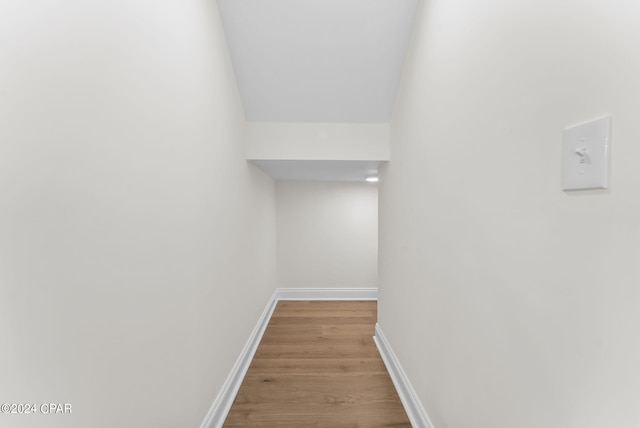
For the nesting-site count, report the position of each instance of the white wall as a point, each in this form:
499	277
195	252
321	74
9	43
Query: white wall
508	302
137	247
317	141
327	234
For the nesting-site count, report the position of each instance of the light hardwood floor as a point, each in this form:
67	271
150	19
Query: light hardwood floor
318	366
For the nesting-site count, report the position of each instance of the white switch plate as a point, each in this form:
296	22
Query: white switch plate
585	155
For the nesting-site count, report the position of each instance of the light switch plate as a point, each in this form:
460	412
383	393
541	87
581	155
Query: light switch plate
585	155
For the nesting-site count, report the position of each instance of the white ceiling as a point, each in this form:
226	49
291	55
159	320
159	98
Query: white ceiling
317	60
318	170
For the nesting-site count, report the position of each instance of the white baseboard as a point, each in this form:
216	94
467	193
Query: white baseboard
326	293
416	413
220	407
222	404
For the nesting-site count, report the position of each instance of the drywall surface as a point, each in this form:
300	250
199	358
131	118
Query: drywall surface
509	302
137	247
317	141
327	234
318	60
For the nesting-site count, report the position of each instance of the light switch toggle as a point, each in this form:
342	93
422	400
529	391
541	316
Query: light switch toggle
582	155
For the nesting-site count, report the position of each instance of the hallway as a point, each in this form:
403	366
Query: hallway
318	366
142	236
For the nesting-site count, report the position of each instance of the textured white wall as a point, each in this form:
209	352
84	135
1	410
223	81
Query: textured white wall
137	247
508	302
327	234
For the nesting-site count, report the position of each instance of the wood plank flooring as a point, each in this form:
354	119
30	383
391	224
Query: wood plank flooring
318	366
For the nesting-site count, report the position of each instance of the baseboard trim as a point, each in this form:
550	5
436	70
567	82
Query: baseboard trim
222	404
416	413
326	294
220	408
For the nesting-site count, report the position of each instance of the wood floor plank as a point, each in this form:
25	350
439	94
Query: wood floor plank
317	366
295	339
289	329
325	366
320	320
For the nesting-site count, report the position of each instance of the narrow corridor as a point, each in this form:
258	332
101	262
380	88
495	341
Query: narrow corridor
318	366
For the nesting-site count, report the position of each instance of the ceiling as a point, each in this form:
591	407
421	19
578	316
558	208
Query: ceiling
317	60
